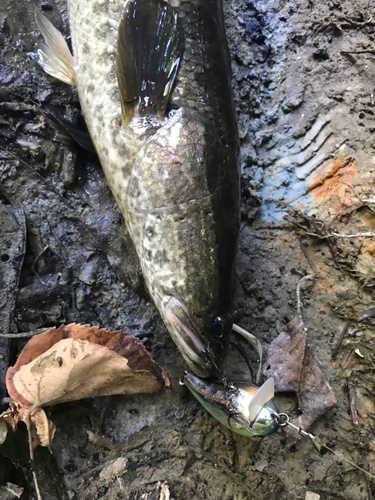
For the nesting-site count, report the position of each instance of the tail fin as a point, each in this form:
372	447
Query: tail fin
149	49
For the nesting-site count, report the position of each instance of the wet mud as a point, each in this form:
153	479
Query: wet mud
303	79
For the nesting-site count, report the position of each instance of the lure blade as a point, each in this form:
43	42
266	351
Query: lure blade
263	395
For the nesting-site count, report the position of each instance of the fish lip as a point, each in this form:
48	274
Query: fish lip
189	342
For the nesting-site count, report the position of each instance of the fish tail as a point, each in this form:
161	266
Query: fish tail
54	57
149	49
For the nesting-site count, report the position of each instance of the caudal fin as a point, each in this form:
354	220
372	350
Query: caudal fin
149	49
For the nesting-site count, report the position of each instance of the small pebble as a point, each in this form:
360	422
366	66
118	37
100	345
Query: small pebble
311	496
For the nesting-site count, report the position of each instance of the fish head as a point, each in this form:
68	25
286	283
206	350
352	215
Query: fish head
245	408
201	339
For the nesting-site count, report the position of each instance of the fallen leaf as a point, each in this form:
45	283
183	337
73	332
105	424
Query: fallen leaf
43	429
50	378
164	492
295	369
76	369
75	362
11	491
100	441
11	416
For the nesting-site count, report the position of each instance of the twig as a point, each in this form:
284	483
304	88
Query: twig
22	334
365	51
35	261
31	451
307	257
352	401
36	486
358	235
337	235
341	338
299	313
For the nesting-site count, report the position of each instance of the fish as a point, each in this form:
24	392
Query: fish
154	84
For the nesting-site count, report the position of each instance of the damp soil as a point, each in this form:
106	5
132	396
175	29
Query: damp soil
303	79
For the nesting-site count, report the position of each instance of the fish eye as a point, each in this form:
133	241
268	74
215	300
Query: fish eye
221	326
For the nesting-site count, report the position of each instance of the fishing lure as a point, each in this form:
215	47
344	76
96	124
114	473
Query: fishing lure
245	409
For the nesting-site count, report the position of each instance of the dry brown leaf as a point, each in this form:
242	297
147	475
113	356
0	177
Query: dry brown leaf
295	369
77	369
75	362
11	416
49	381
43	429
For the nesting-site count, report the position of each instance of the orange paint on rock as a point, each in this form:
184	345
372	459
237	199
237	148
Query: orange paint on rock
335	180
369	247
326	284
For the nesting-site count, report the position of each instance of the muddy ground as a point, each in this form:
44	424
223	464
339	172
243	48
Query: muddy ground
303	78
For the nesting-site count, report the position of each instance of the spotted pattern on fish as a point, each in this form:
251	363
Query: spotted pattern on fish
175	179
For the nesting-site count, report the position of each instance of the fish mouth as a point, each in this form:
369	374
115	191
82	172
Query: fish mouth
189	342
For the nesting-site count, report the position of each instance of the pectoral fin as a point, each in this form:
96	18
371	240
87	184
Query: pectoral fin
186	338
149	49
67	129
55	57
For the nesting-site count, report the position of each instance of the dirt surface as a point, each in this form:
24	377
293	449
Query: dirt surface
303	77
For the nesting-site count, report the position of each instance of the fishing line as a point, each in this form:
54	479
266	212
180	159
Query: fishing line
282	419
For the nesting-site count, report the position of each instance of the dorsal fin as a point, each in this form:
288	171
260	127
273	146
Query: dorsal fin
149	49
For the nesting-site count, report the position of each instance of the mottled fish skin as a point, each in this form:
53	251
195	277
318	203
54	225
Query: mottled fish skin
174	179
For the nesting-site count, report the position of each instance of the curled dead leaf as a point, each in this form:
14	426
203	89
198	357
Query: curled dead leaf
77	369
75	362
43	429
89	362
